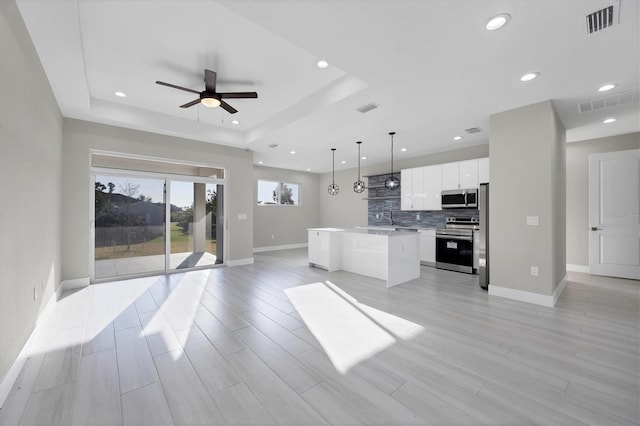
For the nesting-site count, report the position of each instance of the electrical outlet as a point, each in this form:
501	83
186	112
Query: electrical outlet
532	220
534	271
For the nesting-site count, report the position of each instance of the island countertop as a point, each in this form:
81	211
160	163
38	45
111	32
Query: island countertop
391	232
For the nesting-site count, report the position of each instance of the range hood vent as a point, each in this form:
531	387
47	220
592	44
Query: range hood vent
602	19
609	101
368	107
473	130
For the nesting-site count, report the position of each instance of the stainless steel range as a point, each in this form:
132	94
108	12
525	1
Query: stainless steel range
456	245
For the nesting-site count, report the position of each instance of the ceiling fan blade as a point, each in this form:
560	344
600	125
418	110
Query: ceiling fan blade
190	104
210	81
227	107
162	83
238	95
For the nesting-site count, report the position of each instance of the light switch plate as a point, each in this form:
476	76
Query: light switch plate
242	216
532	220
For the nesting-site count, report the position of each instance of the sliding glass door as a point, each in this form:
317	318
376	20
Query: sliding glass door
147	225
193	237
129	226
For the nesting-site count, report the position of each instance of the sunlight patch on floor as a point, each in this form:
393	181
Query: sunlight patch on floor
348	331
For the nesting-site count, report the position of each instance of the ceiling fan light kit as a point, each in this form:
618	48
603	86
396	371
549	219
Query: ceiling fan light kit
392	182
333	188
210	97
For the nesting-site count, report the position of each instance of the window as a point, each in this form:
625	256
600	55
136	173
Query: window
278	193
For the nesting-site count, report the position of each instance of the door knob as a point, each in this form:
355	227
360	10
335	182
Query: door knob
593	228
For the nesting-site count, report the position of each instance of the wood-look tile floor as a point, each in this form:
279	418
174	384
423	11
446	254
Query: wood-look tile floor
228	346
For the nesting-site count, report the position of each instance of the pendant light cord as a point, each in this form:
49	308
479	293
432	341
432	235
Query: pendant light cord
392	133
333	166
359	160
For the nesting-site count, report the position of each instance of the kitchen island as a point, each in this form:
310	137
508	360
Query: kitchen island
388	255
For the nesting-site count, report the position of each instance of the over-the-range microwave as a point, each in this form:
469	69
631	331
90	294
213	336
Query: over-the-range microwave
460	198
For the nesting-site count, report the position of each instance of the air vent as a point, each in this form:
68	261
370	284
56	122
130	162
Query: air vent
601	19
368	107
473	130
273	145
609	101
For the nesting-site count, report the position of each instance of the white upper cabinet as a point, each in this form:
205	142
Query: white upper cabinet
469	174
460	175
483	170
406	189
432	178
418	188
450	176
412	189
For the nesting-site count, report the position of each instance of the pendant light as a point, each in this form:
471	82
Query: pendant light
333	188
358	186
392	182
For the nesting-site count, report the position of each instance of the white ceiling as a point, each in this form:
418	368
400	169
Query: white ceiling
430	64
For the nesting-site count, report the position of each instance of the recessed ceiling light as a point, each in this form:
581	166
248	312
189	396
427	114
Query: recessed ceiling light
529	76
363	158
322	64
498	21
343	162
235	122
120	94
609	120
308	170
259	162
403	149
292	152
606	87
457	138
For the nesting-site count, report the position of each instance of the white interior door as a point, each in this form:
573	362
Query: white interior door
614	214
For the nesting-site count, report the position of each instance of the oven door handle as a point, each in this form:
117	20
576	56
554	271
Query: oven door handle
454	237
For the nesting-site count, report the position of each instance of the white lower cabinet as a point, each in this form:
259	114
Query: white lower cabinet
428	247
324	248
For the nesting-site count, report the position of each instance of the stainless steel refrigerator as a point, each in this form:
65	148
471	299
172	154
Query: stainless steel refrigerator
483	257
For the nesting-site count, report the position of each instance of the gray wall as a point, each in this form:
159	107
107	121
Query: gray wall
30	190
349	209
578	190
81	136
527	150
287	224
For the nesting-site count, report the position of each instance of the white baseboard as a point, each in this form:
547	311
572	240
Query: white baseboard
76	283
529	297
578	268
7	382
281	247
240	262
559	289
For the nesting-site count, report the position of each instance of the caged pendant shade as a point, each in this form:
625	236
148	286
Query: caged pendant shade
392	182
358	185
333	188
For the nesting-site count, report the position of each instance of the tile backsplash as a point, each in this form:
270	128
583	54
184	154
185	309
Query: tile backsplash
384	208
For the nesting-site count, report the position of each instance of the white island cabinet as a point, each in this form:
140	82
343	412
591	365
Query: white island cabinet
324	248
391	256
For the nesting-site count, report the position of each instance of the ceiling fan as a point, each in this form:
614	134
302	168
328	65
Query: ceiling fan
210	98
